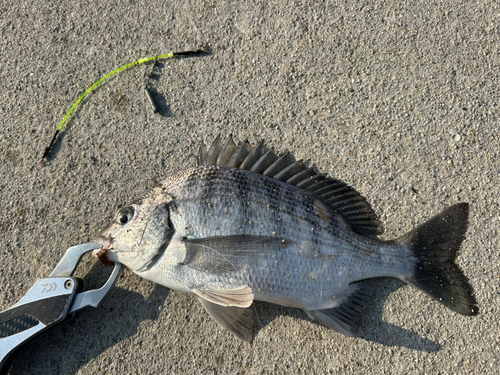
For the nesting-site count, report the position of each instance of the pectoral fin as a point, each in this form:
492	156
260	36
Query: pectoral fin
225	254
241	296
239	321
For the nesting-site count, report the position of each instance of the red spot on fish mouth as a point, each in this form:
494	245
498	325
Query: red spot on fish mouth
102	254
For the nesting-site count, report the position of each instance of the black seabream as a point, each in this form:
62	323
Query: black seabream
248	225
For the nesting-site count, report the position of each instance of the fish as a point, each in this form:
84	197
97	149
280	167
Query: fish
247	224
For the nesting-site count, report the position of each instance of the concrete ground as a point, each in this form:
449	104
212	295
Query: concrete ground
399	99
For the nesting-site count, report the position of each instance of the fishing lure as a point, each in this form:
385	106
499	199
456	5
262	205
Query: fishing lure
116	71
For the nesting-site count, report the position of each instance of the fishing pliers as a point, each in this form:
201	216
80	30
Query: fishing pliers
48	303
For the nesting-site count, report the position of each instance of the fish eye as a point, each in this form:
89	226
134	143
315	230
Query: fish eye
125	215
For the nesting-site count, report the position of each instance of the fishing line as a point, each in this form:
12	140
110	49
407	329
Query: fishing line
60	128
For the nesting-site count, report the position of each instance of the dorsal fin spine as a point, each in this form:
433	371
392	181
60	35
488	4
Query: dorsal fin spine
290	171
320	184
264	162
309	181
214	151
239	155
253	156
349	200
325	191
294	180
202	154
276	166
340	197
226	152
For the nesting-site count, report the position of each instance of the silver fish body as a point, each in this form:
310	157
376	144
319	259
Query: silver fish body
230	235
310	255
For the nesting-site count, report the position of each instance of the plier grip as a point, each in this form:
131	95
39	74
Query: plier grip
49	302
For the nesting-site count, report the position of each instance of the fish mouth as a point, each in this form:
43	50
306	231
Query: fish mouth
102	253
106	242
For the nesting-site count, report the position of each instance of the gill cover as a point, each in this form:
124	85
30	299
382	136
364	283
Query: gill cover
138	236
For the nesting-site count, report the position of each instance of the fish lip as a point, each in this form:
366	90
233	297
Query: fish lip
102	253
103	240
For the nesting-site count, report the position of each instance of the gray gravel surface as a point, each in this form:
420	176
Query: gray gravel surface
399	99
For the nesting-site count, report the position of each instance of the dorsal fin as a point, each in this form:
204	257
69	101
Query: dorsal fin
336	194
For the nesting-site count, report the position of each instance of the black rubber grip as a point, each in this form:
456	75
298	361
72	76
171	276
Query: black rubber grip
46	310
49	311
17	325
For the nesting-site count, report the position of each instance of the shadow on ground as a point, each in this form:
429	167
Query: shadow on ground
373	328
78	337
77	341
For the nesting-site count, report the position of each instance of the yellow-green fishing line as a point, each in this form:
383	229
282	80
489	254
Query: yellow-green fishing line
138	62
141	61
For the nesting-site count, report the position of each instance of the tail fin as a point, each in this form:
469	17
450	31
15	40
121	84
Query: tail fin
435	245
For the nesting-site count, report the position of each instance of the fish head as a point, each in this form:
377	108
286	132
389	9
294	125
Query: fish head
137	237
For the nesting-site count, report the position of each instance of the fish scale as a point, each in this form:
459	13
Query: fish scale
272	208
286	235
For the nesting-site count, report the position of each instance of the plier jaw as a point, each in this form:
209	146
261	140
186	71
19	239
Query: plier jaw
67	266
49	302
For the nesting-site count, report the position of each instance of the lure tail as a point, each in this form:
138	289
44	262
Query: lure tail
435	245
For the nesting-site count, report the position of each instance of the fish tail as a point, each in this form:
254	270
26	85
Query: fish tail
435	244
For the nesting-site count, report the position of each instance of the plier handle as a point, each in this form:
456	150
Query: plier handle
49	302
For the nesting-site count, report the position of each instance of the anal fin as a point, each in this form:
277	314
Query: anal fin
241	296
347	313
237	320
